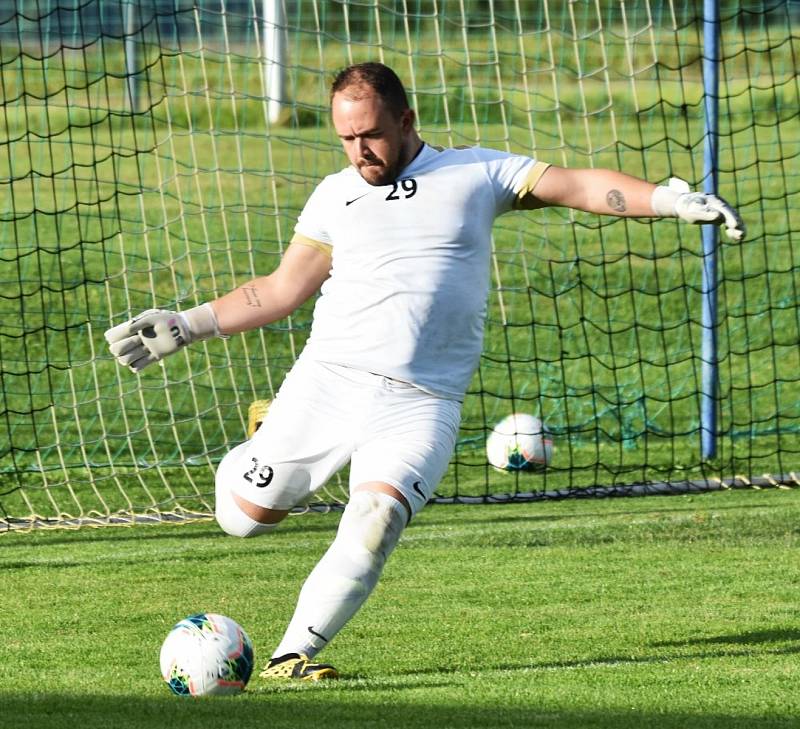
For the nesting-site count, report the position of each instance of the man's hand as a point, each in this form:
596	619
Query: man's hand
157	333
697	207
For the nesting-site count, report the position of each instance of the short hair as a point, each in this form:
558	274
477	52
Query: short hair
377	77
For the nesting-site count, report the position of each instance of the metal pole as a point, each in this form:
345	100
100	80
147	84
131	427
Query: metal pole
274	27
710	233
131	78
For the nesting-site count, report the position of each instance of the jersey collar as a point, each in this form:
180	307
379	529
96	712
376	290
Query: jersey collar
422	153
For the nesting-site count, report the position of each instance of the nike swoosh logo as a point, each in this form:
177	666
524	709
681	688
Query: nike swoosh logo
350	202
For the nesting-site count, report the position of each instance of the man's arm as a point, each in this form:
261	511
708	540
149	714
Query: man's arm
266	299
608	192
605	192
157	333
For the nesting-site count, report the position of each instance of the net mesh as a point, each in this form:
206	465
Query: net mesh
140	165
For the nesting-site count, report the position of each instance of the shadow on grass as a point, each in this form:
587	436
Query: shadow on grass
744	645
335	708
756	637
200	532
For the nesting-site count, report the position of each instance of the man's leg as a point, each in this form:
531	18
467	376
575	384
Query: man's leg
402	441
238	475
412	453
301	442
342	580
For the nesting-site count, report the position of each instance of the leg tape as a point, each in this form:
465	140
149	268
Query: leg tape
348	572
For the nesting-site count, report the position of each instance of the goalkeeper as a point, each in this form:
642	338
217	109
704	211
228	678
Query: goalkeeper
398	244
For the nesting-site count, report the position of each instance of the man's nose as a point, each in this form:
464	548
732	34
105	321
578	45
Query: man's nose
362	146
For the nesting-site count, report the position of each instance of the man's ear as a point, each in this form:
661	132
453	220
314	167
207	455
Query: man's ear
408	119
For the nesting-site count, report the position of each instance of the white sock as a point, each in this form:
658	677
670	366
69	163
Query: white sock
347	573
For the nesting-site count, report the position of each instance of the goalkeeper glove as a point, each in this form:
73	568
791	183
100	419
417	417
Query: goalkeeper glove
157	333
677	200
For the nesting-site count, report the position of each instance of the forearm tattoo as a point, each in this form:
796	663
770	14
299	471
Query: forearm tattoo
616	201
251	296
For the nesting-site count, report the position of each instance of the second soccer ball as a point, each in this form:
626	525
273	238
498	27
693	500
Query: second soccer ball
519	442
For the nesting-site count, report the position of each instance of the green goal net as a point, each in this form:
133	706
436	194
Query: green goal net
157	153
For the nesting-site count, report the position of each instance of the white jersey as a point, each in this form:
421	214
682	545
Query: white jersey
410	267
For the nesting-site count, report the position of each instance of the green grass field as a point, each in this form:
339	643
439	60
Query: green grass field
668	612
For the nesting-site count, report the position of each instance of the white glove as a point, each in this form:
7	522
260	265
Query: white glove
677	200
157	333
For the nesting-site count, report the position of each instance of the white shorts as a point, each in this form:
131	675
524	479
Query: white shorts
326	415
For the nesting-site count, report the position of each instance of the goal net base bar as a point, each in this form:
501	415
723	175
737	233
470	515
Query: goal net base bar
656	488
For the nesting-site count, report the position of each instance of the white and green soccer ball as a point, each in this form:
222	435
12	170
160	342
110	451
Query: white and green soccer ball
206	654
519	442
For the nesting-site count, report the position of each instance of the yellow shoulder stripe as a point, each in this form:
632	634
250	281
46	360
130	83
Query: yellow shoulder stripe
525	199
305	241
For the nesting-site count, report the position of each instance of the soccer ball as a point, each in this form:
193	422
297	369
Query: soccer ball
519	442
206	654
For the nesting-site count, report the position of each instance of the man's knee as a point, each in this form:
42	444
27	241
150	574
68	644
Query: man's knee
241	518
373	522
368	532
284	485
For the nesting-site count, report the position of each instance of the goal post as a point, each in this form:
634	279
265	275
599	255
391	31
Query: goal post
157	153
275	58
710	234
